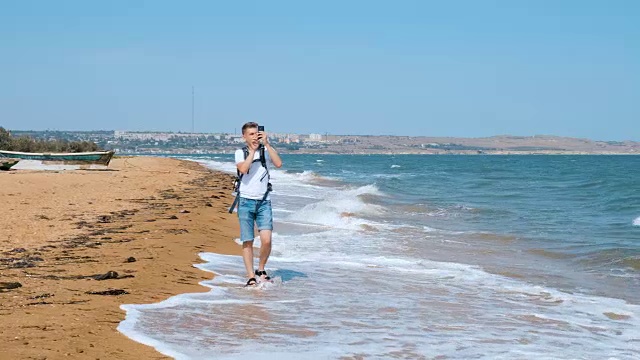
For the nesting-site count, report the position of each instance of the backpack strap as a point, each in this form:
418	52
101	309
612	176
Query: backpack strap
235	203
263	198
263	159
236	185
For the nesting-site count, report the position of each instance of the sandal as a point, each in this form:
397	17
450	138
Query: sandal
252	282
262	272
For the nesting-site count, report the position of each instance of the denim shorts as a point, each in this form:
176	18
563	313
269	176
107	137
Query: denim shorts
247	215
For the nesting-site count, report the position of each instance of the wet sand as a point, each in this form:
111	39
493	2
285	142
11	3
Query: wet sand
75	245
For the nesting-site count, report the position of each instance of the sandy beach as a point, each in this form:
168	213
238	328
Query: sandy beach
75	245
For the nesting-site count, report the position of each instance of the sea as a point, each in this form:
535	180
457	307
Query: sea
424	257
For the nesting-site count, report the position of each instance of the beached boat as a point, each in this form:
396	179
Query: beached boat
81	158
6	165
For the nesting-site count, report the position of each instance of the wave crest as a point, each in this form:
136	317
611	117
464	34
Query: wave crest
342	209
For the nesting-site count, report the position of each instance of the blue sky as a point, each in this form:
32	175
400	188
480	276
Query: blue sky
433	68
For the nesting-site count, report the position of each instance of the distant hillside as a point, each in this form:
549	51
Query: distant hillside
190	143
503	144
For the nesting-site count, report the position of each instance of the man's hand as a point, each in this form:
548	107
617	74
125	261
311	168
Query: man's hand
263	137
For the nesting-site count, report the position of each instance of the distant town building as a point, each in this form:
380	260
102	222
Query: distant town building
236	138
315	137
159	136
128	135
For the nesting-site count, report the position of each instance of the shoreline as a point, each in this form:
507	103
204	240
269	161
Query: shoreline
76	245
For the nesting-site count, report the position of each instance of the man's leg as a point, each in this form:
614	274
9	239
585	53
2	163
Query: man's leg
264	220
247	257
246	218
265	249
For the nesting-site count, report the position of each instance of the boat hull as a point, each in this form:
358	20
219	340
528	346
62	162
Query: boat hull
6	165
98	157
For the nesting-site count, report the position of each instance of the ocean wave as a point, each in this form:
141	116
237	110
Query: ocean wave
287	175
636	222
305	176
436	211
632	262
551	254
341	209
226	166
442	212
613	259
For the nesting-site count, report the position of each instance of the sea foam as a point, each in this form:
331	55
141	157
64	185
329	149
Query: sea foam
341	209
324	301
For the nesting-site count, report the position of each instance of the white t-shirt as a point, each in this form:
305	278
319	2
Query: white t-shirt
254	184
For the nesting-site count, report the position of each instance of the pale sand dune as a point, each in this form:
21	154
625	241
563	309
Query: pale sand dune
57	228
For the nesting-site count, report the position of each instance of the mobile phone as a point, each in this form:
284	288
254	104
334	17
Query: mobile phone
260	128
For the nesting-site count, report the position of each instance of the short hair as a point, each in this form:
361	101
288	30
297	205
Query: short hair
250	124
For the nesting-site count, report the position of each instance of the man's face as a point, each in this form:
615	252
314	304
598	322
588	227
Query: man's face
251	136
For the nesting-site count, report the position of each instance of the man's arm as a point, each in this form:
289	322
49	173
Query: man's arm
244	166
273	154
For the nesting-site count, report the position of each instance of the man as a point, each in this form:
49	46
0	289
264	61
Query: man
253	197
